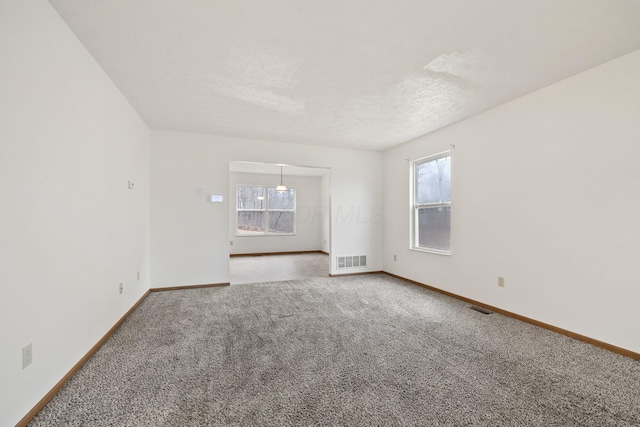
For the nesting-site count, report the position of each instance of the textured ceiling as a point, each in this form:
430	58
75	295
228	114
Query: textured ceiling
274	169
359	73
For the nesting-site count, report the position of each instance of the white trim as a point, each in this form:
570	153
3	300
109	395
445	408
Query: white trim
432	157
431	251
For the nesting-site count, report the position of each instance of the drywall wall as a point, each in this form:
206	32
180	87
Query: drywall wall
190	238
308	235
325	209
545	194
71	229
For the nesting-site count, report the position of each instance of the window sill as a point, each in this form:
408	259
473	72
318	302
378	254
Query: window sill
432	251
266	235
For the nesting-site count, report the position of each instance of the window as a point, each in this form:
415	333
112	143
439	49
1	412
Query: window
431	204
265	211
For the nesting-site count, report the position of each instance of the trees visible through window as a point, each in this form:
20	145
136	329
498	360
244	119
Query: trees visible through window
263	210
431	220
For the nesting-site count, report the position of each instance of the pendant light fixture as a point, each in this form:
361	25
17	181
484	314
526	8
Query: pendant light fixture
281	188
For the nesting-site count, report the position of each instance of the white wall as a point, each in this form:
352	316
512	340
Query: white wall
545	193
71	230
309	215
325	199
190	238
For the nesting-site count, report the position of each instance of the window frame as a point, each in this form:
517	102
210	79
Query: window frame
266	211
415	207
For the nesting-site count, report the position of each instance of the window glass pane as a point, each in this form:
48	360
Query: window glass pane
434	225
250	223
281	222
251	197
283	200
433	181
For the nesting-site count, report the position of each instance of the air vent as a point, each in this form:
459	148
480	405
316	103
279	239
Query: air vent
481	310
354	261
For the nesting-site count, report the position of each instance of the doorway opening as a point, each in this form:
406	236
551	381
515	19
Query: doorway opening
277	234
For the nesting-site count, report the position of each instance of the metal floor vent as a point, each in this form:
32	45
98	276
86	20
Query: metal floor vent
481	310
355	261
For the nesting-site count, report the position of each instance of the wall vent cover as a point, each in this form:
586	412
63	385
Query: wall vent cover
353	261
481	310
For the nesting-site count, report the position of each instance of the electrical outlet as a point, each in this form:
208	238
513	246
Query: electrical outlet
395	257
500	282
120	288
27	355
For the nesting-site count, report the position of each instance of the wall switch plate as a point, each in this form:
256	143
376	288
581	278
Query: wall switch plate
120	288
230	242
27	355
395	257
500	282
138	274
130	185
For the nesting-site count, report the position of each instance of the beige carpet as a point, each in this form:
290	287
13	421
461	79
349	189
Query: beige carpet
273	268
